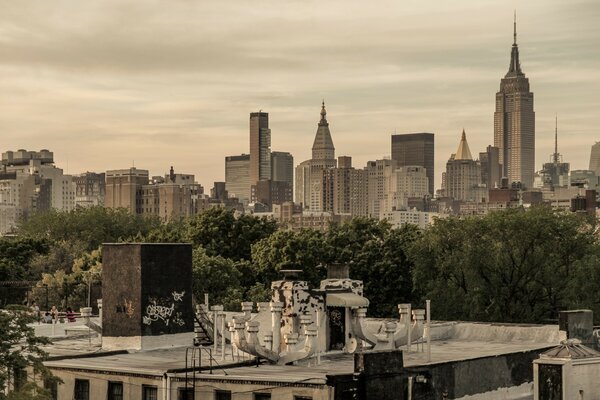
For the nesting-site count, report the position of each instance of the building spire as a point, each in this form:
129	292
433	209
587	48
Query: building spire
323	112
515	29
514	68
463	152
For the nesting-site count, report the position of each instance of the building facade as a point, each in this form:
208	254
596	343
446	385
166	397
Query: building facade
323	157
415	149
30	182
90	189
123	188
345	189
260	147
402	184
491	169
463	174
595	159
282	167
376	173
237	177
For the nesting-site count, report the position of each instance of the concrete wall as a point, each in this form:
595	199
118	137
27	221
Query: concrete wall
477	376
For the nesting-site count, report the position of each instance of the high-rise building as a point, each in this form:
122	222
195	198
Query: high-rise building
268	192
345	189
302	192
491	170
376	173
282	167
260	147
403	183
514	123
463	174
237	177
323	157
415	149
595	159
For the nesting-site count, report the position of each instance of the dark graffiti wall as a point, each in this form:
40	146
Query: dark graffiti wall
147	289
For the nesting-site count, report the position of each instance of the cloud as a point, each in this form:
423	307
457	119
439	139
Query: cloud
105	83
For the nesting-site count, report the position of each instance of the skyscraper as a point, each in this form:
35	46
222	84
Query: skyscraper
595	158
415	149
323	157
282	167
491	170
463	174
260	147
237	177
514	122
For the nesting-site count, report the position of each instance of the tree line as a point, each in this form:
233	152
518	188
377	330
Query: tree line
509	266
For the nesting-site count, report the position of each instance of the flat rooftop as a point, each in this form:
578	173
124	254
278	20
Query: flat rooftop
452	341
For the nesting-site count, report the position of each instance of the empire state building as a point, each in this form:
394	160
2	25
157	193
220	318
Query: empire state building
514	123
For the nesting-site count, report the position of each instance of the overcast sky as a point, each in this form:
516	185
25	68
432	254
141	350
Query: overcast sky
107	83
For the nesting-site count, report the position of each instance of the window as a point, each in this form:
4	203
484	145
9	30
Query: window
51	386
149	393
82	390
185	394
262	396
222	395
20	376
115	391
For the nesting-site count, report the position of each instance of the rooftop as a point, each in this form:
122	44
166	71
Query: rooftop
452	341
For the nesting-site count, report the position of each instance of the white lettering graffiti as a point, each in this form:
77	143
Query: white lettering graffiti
178	296
154	312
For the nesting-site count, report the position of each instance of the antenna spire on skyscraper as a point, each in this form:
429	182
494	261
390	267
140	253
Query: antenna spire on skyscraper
515	28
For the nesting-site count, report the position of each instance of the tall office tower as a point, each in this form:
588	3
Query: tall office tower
282	167
376	173
260	147
491	170
463	174
514	123
323	157
237	177
595	159
123	187
345	189
415	149
302	192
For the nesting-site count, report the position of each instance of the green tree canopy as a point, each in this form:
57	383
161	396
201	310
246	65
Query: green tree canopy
21	349
509	266
91	226
220	233
16	255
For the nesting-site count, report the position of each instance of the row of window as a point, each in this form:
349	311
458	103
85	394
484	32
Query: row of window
115	392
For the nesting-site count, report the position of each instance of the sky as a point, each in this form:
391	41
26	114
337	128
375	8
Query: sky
108	84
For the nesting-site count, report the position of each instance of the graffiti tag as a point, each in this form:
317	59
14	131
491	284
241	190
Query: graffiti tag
178	296
154	312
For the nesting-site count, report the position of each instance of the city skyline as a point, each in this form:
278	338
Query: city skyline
88	86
